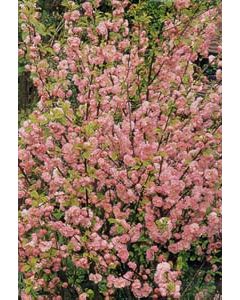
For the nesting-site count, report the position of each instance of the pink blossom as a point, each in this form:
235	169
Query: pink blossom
95	277
157	201
123	254
24	296
120	283
75	15
219	74
141	291
46	177
102	29
87	6
82	263
180	4
45	246
74	42
83	296
128	160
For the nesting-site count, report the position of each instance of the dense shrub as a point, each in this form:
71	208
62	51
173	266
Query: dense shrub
120	163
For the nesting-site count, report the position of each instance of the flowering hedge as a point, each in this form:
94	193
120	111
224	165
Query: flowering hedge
120	163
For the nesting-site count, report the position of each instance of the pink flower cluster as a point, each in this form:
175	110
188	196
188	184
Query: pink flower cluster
120	163
180	4
79	216
141	290
167	281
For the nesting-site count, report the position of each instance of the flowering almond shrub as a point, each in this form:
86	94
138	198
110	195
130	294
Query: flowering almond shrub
120	163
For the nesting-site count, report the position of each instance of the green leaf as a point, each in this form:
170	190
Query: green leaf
90	128
58	214
162	223
21	69
33	261
171	287
103	286
185	79
112	221
28	289
34	195
90	293
86	154
114	156
27	268
120	229
40	28
50	50
179	263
